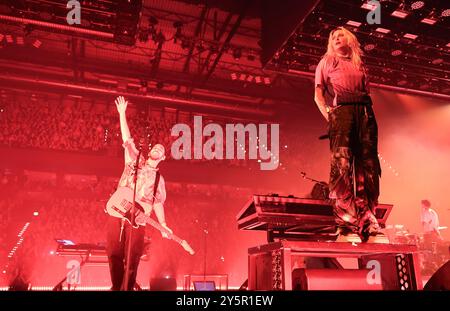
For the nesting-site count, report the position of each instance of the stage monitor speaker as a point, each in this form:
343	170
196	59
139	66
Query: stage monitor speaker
19	284
332	279
163	284
440	280
204	285
244	285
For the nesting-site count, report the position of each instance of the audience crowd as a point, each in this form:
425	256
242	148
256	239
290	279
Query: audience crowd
74	210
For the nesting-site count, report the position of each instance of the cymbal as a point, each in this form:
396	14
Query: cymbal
402	232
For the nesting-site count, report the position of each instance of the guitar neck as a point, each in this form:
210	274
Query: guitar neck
150	221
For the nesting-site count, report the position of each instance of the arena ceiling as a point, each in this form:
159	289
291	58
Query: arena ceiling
206	55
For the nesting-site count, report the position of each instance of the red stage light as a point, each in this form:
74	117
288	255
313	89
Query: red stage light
382	30
353	23
399	14
410	36
429	21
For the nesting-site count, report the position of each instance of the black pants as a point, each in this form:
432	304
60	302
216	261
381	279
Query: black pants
355	168
116	248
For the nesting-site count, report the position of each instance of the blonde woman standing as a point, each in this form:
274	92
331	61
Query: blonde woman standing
342	96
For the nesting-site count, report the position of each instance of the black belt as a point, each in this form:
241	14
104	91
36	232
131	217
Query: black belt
354	104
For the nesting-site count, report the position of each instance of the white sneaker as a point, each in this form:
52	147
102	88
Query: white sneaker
379	238
349	238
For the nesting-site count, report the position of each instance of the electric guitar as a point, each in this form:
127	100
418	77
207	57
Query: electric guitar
120	205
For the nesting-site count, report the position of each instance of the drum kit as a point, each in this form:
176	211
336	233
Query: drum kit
398	234
433	250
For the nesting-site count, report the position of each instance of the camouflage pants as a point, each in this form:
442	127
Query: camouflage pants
355	168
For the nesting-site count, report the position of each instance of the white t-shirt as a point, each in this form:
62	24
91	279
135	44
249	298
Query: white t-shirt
429	219
341	81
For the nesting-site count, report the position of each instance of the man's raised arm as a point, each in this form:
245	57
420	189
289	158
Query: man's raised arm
121	105
130	149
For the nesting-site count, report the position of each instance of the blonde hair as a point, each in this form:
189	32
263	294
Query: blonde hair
353	44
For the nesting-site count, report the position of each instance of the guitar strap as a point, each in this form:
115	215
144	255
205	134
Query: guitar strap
155	187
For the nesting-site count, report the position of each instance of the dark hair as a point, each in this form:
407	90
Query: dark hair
426	203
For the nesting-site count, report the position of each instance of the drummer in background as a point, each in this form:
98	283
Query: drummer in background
430	223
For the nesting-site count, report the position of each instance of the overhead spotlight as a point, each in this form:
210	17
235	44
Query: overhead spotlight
399	13
431	19
417	5
237	53
233	76
353	23
445	13
382	30
396	52
369	47
368	6
258	80
19	40
9	38
410	36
